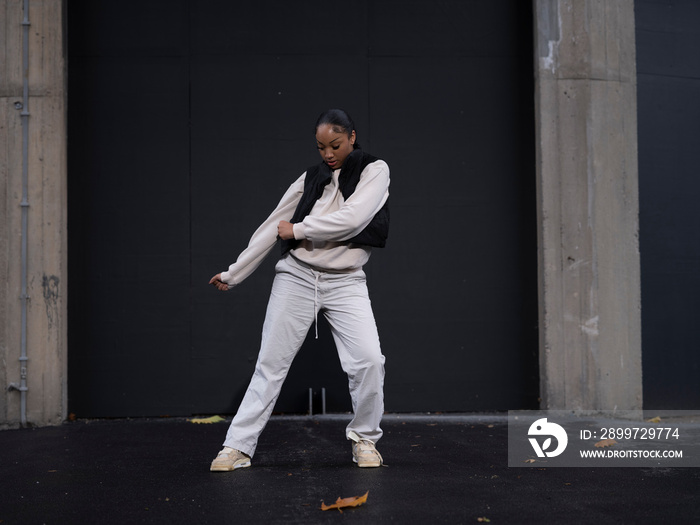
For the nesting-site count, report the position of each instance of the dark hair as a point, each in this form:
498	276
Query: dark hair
339	120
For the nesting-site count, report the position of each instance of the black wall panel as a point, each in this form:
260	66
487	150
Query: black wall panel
668	69
187	122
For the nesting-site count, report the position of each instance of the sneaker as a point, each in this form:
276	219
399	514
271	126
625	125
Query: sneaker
229	459
364	452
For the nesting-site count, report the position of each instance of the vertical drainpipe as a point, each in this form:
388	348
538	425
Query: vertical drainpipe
25	213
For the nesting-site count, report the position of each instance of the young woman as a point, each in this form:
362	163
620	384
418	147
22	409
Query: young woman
328	221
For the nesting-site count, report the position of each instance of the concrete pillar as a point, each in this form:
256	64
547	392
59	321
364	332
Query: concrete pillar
589	288
46	234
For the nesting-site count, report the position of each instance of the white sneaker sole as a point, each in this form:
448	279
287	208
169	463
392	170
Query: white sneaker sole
225	468
367	464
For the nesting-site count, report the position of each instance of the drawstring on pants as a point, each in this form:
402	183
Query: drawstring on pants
316	302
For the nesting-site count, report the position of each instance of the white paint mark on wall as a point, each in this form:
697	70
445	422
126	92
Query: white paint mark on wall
550	61
550	35
590	327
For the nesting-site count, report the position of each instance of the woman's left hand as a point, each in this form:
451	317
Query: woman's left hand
285	230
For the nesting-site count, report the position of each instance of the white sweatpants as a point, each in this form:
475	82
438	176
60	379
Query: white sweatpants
298	294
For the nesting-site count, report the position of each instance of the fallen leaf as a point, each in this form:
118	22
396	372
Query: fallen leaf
342	503
529	461
207	420
483	519
656	419
605	443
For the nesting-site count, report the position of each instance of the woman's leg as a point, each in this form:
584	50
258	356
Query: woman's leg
290	312
347	308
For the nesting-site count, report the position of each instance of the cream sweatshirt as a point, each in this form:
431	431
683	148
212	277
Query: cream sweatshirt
331	221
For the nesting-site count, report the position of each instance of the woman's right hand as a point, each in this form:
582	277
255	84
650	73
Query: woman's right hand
218	283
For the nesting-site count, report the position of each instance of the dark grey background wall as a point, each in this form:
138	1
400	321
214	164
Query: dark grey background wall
668	69
188	120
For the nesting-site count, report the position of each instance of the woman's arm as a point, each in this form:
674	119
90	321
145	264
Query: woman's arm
262	241
355	214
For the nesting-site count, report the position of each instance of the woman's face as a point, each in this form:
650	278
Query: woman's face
333	146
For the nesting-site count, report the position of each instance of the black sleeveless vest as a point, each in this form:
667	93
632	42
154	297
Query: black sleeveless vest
318	176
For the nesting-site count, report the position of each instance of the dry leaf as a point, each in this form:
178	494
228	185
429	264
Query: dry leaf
207	420
483	519
529	461
354	501
605	443
656	419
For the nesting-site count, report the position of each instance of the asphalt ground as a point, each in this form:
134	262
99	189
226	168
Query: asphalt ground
439	469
